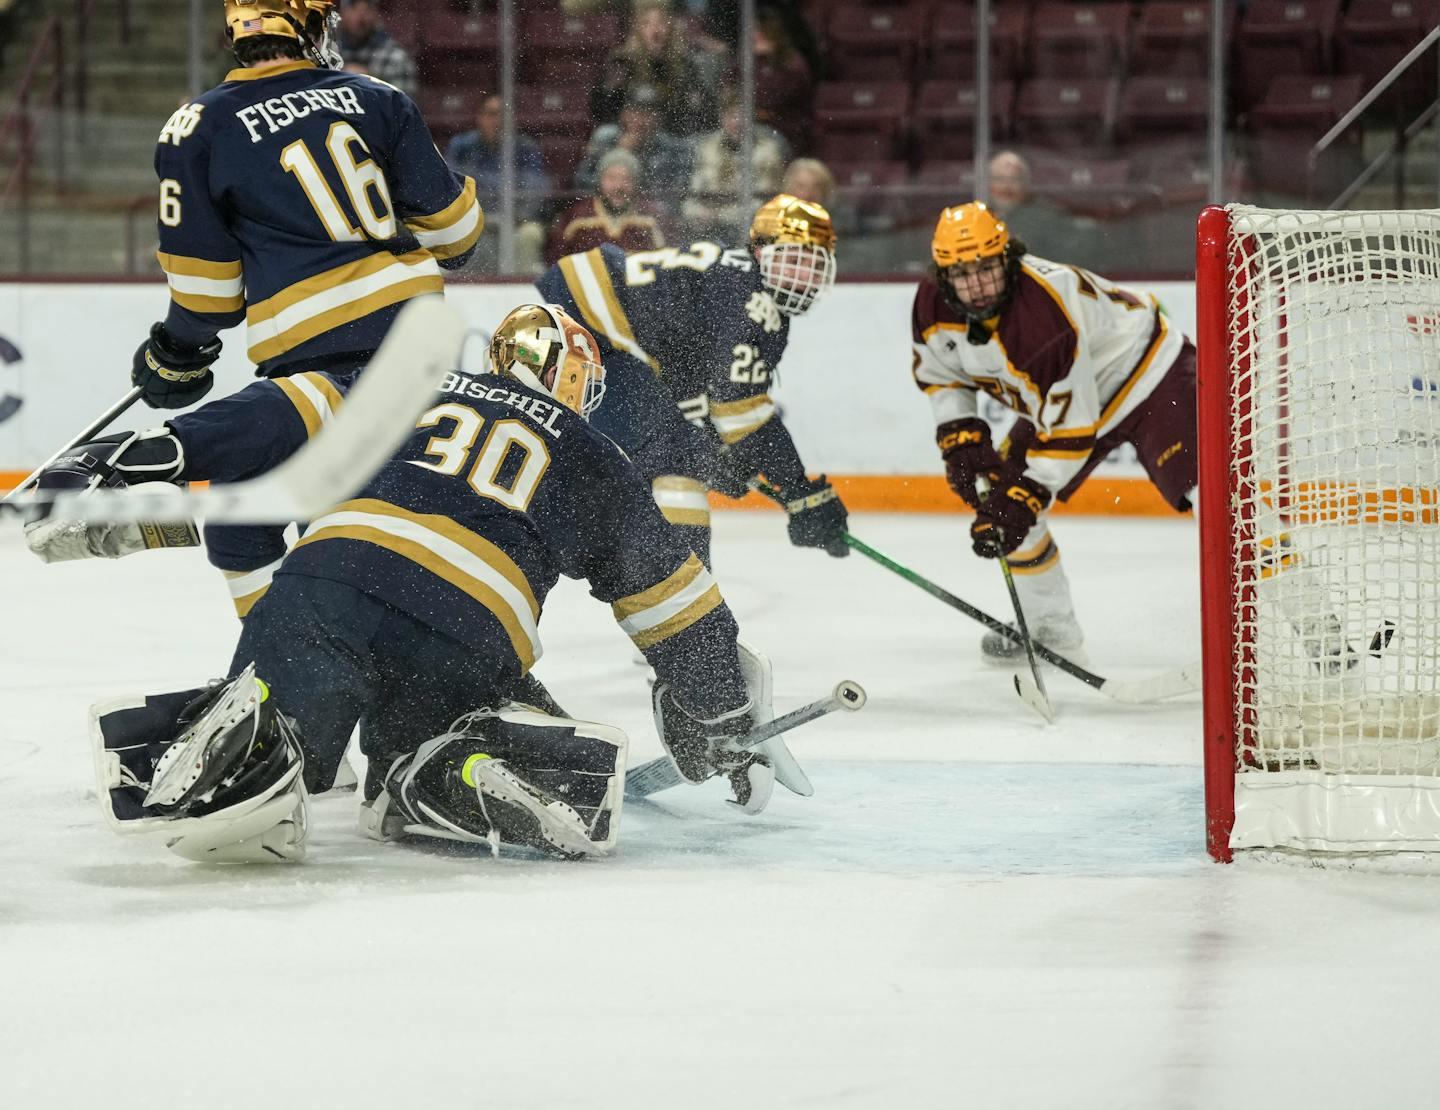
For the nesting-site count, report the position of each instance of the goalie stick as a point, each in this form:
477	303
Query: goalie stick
1136	691
422	345
660	774
93	429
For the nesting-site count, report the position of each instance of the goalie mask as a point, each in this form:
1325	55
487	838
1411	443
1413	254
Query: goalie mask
544	347
312	23
794	243
977	264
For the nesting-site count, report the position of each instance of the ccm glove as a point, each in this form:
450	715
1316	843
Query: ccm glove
965	446
1007	514
817	517
172	375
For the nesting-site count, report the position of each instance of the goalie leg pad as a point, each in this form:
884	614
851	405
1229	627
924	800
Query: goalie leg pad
215	772
511	776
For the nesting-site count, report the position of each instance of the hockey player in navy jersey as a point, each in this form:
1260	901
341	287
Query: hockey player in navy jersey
697	335
416	605
307	202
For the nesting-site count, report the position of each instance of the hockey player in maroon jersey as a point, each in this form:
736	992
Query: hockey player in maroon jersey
1087	364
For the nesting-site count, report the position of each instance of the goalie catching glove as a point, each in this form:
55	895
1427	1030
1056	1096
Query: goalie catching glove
111	462
170	374
703	748
1007	514
969	456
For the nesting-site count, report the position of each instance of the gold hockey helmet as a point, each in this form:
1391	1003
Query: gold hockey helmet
310	22
544	347
968	233
794	243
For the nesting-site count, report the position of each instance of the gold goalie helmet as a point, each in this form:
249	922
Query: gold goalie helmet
794	243
544	347
313	23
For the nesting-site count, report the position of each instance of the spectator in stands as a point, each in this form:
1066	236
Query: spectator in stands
718	29
809	179
477	154
613	215
1037	221
784	82
368	48
656	55
664	158
713	209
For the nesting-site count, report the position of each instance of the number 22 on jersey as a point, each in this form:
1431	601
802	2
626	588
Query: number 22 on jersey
452	451
364	183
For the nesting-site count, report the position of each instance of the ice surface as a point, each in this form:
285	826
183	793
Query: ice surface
974	909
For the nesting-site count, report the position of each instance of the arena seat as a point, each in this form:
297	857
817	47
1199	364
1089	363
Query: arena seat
1375	34
945	118
553	109
873	43
1077	114
952	42
1296	112
1171	38
860	120
1099	187
1162	108
562	154
871	195
449	110
564	48
938	185
1290	37
457	49
1069	40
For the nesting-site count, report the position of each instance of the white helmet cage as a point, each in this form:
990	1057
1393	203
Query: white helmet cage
796	274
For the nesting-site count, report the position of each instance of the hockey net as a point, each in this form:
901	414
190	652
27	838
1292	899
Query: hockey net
1320	515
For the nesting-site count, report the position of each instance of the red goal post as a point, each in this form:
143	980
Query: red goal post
1319	426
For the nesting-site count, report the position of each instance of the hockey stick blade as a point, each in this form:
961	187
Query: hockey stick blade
1157	687
1033	695
423	344
659	774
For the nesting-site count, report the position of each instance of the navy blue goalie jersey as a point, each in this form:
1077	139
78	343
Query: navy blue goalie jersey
700	317
499	492
311	204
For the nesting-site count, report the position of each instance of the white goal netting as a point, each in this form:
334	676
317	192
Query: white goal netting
1334	322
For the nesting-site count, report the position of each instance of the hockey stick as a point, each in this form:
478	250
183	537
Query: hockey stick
1031	688
660	774
1138	691
93	429
423	344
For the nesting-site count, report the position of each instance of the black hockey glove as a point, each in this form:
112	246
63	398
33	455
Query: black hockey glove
1007	515
968	453
701	748
170	374
817	517
732	474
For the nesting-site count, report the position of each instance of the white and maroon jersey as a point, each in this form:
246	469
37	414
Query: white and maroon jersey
1072	353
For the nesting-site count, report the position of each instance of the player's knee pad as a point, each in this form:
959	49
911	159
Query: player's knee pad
511	776
215	772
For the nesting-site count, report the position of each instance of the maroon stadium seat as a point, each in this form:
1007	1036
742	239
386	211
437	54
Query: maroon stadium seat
873	43
1079	40
553	109
952	41
1100	187
1163	108
860	120
1171	38
945	118
938	185
565	48
1066	115
458	49
449	110
1296	112
562	153
871	194
1276	37
1375	34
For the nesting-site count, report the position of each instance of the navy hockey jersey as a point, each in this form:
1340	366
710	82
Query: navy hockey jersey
499	491
311	204
700	317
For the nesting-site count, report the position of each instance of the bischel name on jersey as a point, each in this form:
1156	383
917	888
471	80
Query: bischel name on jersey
281	111
542	411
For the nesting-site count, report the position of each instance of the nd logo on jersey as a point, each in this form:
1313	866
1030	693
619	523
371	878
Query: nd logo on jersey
182	124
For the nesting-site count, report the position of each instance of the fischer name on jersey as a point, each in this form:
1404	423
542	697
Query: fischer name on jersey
1073	354
311	204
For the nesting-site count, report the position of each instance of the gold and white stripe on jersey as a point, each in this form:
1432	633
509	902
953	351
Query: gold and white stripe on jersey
338	296
670	606
453	230
314	396
470	563
202	286
249	586
735	420
589	283
682	500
